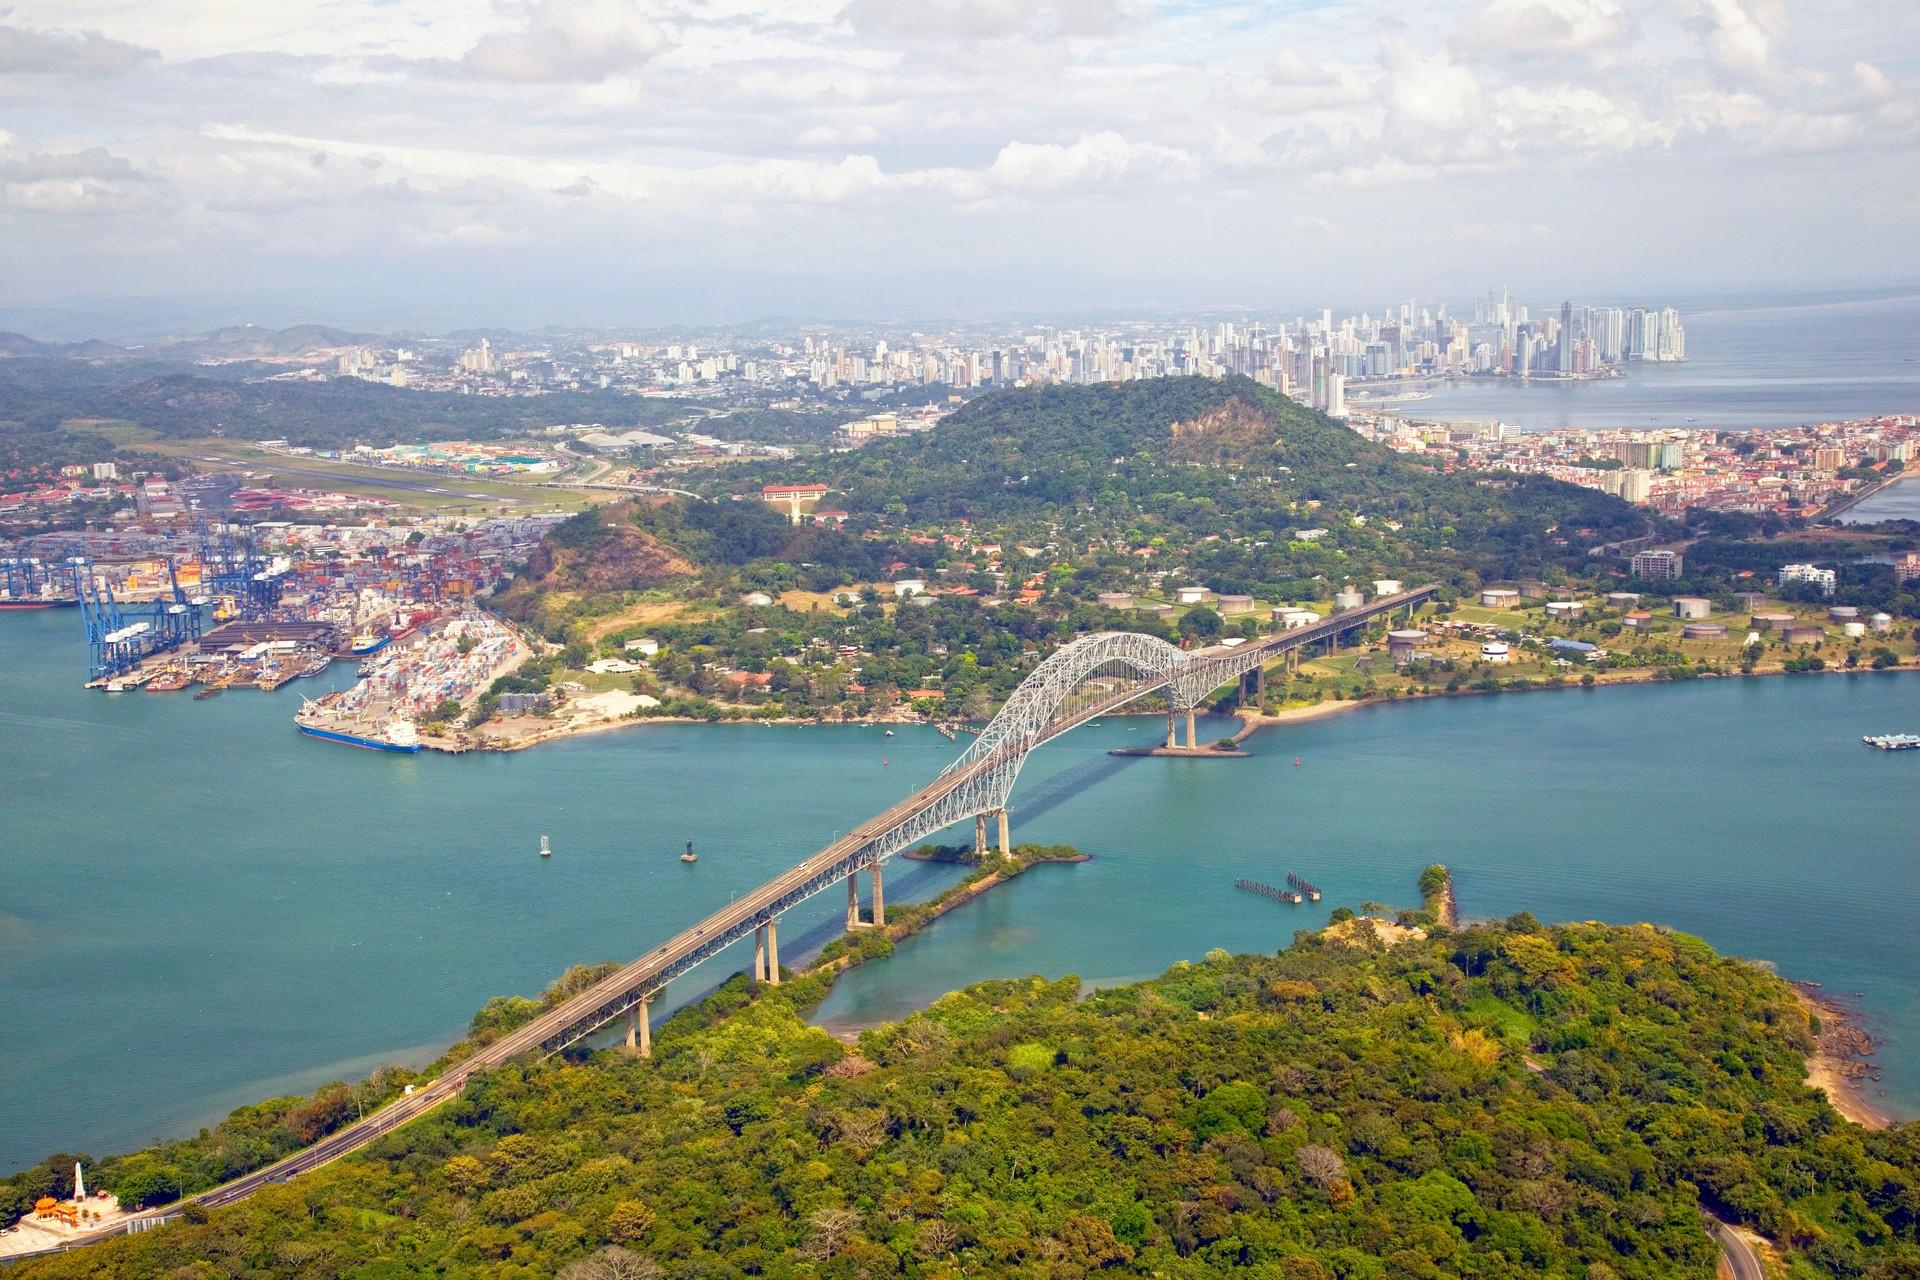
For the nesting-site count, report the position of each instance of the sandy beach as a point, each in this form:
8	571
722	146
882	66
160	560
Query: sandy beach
1837	1066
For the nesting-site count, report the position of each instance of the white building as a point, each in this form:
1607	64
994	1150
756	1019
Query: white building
1825	579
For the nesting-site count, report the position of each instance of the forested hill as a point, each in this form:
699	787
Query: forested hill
1509	1102
37	394
1195	457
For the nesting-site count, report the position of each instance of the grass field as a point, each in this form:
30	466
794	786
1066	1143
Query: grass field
420	490
120	434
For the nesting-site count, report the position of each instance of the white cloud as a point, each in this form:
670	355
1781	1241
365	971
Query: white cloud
569	40
1542	28
831	135
972	132
31	51
83	183
1429	92
1740	34
981	20
1102	159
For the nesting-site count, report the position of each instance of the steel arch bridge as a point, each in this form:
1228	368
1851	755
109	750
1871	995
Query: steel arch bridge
1090	677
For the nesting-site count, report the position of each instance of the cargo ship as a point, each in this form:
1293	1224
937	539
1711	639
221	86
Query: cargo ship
1893	741
366	644
401	736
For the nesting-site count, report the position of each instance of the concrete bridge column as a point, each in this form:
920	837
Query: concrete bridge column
853	900
773	951
979	837
760	954
1190	742
1006	849
879	902
639	1030
1173	728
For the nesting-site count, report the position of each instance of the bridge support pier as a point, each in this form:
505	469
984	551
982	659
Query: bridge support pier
1173	729
879	902
773	951
1191	744
979	837
640	1029
760	954
853	900
1006	849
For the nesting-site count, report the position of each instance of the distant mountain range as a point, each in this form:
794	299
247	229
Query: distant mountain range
236	342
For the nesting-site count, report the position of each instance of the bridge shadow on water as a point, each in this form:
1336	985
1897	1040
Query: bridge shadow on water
1063	786
923	879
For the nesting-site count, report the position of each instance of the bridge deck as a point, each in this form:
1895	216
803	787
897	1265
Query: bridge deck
578	1016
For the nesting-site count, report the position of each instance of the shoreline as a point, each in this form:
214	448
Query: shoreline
1251	721
1838	1065
1315	711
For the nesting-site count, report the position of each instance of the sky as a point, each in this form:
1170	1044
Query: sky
524	162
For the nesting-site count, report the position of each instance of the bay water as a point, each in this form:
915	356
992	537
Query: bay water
201	908
1751	362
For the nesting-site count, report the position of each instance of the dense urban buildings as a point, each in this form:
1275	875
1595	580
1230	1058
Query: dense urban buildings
1319	359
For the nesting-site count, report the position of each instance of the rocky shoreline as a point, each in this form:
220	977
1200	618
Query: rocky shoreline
1838	1065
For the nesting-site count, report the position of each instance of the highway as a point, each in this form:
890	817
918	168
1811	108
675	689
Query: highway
1740	1259
607	999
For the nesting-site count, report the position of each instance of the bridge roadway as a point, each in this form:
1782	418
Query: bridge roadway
632	984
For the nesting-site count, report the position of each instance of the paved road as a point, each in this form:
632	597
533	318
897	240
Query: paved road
652	970
1740	1259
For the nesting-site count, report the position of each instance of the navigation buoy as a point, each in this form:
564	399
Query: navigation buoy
883	762
1296	762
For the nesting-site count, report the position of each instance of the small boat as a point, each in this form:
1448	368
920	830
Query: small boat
884	762
545	850
689	855
1296	762
889	733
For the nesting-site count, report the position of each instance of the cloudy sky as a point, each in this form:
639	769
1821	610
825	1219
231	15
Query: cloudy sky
537	161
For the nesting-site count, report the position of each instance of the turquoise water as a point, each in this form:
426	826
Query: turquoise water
1898	501
202	908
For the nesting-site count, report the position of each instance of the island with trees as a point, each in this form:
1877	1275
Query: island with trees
1504	1100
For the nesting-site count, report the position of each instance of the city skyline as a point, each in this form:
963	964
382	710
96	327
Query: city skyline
607	161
